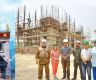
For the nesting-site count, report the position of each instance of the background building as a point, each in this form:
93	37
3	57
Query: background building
29	32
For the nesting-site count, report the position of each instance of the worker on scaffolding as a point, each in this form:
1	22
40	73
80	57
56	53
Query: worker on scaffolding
43	60
65	59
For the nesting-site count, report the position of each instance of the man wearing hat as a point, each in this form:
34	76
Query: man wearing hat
43	60
94	60
77	59
86	55
65	59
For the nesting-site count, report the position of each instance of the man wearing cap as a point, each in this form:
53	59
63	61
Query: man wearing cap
94	60
86	55
65	59
77	59
43	60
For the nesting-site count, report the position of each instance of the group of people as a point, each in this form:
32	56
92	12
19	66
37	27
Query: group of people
84	57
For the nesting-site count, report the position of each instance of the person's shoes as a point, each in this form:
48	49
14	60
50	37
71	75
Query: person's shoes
55	78
40	79
68	78
63	78
73	78
47	78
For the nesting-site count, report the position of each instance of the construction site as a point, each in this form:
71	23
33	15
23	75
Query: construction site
30	31
54	27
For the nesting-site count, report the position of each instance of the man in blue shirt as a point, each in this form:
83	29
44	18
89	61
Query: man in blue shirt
65	59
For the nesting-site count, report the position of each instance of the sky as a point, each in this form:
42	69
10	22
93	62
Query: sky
83	11
7	15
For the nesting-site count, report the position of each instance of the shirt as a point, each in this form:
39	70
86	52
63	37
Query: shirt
43	54
76	53
55	55
65	51
94	56
86	53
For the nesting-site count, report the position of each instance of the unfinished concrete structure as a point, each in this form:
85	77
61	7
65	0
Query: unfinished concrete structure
29	33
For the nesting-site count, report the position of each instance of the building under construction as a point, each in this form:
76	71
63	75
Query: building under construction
30	32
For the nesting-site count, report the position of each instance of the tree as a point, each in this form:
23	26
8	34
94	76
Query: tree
7	27
95	31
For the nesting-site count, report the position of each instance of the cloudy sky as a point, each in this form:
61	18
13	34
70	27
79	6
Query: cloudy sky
83	11
7	15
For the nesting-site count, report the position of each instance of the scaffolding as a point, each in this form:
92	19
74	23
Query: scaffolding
31	31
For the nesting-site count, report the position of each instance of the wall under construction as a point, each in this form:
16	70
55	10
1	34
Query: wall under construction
28	35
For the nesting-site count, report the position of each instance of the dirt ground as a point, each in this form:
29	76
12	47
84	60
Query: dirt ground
26	68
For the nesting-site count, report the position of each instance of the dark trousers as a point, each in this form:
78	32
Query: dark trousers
40	71
66	68
3	71
94	73
3	75
88	68
76	64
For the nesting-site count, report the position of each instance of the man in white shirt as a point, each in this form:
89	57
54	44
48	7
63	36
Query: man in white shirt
94	60
86	56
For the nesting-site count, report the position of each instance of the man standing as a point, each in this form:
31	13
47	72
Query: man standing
86	56
3	65
65	59
43	60
94	60
77	59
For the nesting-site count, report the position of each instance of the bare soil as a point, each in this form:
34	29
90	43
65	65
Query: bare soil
27	69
